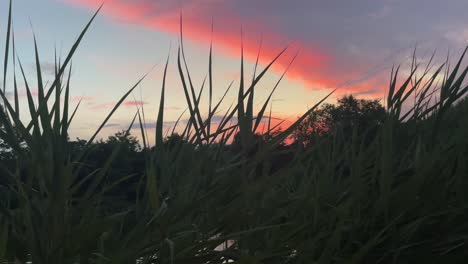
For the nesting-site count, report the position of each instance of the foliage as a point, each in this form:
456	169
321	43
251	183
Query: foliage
398	196
349	113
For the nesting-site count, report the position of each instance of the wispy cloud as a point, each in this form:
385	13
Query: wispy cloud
134	103
172	108
47	68
112	125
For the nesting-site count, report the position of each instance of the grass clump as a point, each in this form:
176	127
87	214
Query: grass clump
389	189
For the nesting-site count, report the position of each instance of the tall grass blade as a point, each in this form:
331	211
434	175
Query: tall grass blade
160	120
193	117
262	110
242	119
7	48
116	106
284	134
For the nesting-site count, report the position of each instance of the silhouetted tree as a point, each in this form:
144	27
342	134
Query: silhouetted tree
129	160
347	115
174	140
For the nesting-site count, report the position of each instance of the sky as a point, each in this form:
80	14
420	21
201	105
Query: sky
349	45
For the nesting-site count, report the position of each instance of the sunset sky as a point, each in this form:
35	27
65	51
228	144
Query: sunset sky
350	45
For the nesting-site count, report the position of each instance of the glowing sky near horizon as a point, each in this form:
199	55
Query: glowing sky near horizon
350	45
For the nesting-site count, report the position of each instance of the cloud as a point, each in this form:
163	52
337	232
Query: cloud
101	106
152	125
109	105
134	103
112	125
458	35
164	16
382	12
339	42
47	68
172	108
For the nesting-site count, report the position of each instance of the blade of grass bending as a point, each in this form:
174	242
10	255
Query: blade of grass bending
73	49
56	106
258	58
413	63
429	83
143	115
7	48
276	126
32	107
142	131
9	134
259	77
222	123
67	60
428	68
15	83
66	99
456	85
188	131
7	110
416	83
393	80
197	109
213	111
114	109
230	134
454	93
198	98
262	111
269	120
177	121
229	128
160	119
291	128
249	110
42	102
188	100
396	98
74	112
99	177
241	115
227	117
192	88
34	124
453	74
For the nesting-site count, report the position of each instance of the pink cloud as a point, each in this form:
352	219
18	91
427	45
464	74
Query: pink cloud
134	103
101	106
227	28
76	99
317	67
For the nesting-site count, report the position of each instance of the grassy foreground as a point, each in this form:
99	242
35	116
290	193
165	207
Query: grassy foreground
397	196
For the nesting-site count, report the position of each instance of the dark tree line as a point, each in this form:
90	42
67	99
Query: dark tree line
349	113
